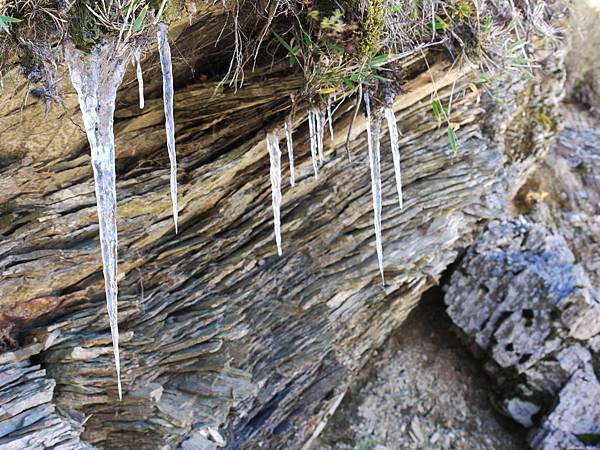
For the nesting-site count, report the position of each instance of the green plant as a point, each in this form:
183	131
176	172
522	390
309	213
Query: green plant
326	47
589	438
84	30
5	20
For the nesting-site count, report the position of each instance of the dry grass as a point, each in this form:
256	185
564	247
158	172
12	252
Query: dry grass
35	30
338	45
362	42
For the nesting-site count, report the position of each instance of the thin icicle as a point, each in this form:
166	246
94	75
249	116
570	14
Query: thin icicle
316	126
393	131
167	70
96	78
313	141
373	136
320	132
330	116
289	128
275	159
140	75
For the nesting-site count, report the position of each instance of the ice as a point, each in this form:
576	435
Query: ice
167	70
313	141
319	131
140	75
330	116
275	159
393	132
289	129
373	137
316	126
96	77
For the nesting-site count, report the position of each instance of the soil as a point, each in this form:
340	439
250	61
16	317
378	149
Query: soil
423	391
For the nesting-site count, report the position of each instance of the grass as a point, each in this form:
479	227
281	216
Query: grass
82	21
337	45
32	32
341	45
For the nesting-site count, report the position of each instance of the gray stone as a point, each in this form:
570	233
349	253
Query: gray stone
519	295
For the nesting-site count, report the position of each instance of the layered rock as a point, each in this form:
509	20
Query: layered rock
224	342
29	418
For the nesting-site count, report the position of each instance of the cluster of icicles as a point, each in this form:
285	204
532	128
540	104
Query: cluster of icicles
97	77
316	127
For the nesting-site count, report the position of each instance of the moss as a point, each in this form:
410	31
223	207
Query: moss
373	26
544	120
83	30
171	12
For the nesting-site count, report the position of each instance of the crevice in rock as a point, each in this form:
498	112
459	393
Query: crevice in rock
420	389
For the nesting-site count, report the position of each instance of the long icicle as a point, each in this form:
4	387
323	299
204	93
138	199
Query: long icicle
393	132
373	135
96	78
313	141
330	116
289	129
320	132
275	159
167	70
140	75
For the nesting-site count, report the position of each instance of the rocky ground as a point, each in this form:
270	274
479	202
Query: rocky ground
424	392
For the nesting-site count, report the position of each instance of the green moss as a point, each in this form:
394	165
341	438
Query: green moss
83	30
171	12
372	26
544	120
591	439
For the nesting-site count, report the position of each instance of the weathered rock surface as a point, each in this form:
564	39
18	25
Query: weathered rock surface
520	297
424	391
564	191
28	417
575	420
220	336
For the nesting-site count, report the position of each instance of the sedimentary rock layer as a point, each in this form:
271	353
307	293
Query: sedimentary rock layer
220	336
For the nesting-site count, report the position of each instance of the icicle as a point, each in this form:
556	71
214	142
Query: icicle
316	127
289	128
320	131
393	131
140	75
275	158
167	71
96	78
330	116
373	135
313	141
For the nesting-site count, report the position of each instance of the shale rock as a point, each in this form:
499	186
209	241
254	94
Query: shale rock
218	332
28	417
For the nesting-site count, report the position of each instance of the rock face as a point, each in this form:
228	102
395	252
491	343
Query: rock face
223	342
29	416
563	193
424	391
520	297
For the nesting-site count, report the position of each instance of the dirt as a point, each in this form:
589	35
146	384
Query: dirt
423	391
